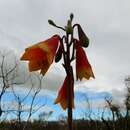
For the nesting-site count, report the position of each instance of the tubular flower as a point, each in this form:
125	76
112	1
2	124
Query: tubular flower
62	95
83	68
41	55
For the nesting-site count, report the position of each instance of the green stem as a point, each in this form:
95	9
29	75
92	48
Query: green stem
60	27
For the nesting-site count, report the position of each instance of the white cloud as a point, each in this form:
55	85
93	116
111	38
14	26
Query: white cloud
93	104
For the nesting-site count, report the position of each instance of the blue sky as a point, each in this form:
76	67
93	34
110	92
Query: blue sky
48	99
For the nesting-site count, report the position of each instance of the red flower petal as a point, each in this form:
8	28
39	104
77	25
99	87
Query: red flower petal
41	55
62	94
83	68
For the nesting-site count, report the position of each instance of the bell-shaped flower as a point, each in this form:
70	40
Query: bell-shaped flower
62	94
83	68
41	55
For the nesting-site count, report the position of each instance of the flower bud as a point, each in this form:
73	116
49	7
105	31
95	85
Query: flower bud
84	41
51	22
71	16
58	54
69	28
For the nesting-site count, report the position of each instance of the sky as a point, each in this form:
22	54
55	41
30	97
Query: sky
106	23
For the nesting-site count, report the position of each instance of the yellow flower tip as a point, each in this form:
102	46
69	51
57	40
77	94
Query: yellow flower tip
85	74
93	76
42	72
62	102
24	57
90	73
57	100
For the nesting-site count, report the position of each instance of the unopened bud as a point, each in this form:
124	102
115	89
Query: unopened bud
71	16
58	54
51	22
69	27
84	40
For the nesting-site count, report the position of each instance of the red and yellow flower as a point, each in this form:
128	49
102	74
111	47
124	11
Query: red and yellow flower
41	55
62	95
83	67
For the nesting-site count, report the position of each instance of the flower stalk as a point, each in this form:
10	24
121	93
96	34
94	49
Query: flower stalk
69	72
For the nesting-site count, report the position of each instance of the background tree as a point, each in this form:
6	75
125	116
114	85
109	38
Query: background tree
23	109
8	73
127	100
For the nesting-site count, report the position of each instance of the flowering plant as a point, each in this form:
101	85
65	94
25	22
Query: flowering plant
42	55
